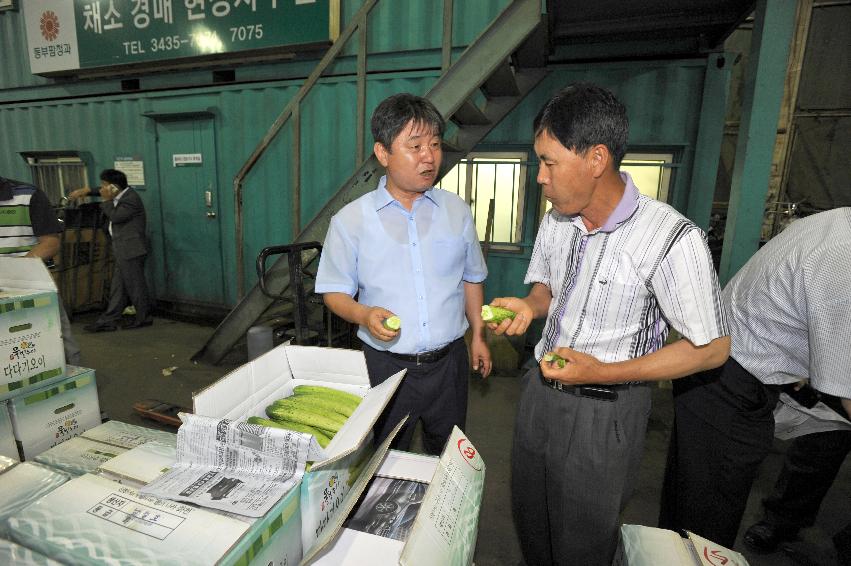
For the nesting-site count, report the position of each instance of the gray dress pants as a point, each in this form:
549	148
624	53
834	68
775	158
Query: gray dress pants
574	464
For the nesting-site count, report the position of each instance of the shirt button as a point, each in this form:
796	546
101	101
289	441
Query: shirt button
424	324
414	244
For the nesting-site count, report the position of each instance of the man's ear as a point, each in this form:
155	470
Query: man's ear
380	153
599	159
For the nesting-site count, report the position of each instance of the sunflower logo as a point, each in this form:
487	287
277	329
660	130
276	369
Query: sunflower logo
49	25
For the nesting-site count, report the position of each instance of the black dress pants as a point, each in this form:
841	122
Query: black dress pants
434	392
723	430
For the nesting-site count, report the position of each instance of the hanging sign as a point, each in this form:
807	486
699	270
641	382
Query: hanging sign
67	35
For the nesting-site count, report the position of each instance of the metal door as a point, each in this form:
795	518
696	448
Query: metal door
192	252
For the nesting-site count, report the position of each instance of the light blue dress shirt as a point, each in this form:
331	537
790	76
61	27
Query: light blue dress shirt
411	263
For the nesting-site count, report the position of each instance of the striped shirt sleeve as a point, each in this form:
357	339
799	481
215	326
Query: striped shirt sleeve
686	287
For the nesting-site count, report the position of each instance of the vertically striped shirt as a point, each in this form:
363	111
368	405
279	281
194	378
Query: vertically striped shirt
790	306
617	289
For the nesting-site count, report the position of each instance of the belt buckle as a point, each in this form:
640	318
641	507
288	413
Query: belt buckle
418	354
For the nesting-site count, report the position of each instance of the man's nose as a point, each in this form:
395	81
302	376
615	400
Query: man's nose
428	154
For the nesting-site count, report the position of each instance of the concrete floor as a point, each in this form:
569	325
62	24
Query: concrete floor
129	367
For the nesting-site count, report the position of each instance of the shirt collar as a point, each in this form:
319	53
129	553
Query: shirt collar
121	194
382	196
625	208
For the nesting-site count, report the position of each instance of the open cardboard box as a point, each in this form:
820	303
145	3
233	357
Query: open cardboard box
327	488
446	525
31	354
649	546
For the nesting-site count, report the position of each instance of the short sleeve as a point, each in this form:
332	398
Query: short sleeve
686	288
337	271
42	217
475	268
538	271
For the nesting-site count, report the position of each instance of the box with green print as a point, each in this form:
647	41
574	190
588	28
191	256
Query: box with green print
43	418
31	354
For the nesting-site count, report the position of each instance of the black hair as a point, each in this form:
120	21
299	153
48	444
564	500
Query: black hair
583	115
394	113
114	177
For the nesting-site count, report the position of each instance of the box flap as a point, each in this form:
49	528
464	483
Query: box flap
334	365
25	273
710	553
445	529
408	466
330	532
359	424
236	394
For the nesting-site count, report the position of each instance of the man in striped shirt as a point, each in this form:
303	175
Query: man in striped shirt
610	271
789	310
29	228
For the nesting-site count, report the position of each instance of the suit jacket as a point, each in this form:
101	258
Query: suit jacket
128	225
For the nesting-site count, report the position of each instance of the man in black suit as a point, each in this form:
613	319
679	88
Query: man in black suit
126	213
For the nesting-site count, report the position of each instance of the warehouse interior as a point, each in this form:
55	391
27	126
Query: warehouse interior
739	119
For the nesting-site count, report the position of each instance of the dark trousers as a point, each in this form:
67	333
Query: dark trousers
435	393
811	464
723	430
574	463
128	287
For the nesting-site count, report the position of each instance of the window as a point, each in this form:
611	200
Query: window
650	171
57	173
498	176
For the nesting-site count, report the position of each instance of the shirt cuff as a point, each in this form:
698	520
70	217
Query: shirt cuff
331	288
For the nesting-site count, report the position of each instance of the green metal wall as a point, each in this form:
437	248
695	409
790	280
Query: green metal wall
663	100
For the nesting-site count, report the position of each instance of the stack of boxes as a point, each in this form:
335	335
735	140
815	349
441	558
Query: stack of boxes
43	402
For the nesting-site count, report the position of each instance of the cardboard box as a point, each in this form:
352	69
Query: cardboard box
23	484
46	417
250	388
91	520
649	546
78	456
8	448
6	463
127	435
274	539
11	553
442	530
31	354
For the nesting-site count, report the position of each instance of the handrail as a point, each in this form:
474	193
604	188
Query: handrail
291	110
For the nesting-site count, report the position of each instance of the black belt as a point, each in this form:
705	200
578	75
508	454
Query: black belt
600	392
425	357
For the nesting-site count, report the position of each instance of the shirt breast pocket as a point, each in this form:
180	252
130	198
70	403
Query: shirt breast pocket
448	255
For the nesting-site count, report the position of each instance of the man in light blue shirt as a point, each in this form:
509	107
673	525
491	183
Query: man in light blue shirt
409	250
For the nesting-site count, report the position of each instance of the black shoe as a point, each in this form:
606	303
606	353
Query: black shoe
137	324
764	536
100	327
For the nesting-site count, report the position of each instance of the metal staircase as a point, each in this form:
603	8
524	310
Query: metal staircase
476	92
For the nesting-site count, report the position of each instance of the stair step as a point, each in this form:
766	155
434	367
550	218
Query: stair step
501	82
468	114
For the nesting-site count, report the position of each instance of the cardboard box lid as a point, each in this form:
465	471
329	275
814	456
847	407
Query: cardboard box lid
25	273
78	455
650	546
127	435
247	390
91	520
142	464
25	483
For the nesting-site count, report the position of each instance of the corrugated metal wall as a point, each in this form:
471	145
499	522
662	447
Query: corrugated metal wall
663	100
